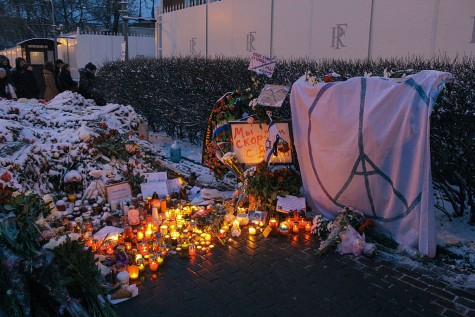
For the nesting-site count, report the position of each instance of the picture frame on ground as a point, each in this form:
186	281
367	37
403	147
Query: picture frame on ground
257	215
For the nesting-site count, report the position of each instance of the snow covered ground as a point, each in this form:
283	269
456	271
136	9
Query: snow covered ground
48	139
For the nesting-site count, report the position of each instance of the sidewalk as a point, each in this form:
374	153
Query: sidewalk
279	276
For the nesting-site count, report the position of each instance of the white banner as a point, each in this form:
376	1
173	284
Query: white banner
364	143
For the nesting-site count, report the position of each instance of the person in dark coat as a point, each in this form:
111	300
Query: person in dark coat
87	80
27	86
57	68
6	90
15	72
5	64
65	81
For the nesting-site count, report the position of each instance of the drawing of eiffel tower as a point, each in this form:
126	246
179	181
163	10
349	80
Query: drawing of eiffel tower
364	166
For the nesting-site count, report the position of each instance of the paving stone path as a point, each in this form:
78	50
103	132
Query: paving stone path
280	276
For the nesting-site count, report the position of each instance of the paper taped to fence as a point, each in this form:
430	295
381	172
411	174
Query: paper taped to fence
364	143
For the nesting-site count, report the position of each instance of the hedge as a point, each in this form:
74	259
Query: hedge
176	95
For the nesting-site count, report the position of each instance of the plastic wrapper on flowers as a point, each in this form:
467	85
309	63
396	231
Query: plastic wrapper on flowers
230	160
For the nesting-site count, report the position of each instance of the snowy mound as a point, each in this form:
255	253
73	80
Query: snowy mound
41	143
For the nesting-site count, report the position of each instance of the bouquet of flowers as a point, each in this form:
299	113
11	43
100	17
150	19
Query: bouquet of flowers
231	162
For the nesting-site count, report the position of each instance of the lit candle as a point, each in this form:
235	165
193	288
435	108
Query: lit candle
143	248
148	234
133	271
137	257
252	230
283	228
308	227
295	228
199	247
128	246
140	235
141	264
164	230
302	223
163	206
153	263
222	233
273	223
191	249
160	259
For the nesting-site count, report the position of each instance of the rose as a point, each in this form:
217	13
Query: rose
6	177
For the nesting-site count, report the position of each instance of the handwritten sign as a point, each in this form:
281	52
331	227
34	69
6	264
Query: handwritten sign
262	64
249	142
119	192
273	95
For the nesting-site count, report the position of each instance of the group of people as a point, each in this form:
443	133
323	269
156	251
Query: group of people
20	82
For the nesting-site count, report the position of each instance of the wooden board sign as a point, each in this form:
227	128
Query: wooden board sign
249	142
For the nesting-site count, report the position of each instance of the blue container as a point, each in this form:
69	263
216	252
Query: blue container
175	152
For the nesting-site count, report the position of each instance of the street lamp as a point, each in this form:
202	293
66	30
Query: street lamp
55	52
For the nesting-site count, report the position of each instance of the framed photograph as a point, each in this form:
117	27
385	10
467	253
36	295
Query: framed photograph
257	215
119	192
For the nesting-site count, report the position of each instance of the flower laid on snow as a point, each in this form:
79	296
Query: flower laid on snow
56	242
6	177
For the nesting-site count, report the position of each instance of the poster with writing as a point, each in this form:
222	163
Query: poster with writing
262	64
119	192
249	142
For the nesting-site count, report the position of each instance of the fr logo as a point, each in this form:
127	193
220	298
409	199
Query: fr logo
473	31
192	47
251	37
338	32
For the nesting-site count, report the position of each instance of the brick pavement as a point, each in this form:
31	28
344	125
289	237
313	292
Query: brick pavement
278	276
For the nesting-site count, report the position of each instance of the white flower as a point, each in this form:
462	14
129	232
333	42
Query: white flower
253	104
368	74
312	80
387	73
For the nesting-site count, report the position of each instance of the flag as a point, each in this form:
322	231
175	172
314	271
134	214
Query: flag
272	140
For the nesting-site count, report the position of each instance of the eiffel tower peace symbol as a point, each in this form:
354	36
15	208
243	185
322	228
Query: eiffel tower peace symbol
364	166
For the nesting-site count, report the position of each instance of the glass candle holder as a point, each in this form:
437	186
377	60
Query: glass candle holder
153	263
133	271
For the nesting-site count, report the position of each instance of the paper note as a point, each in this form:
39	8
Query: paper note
155	177
160	188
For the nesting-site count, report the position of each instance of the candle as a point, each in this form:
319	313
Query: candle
133	271
133	216
148	234
128	246
141	265
308	227
128	233
252	230
295	228
140	235
164	229
208	237
273	223
137	257
199	247
143	248
222	233
160	259
191	249
283	228
163	206
155	213
153	263
302	223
